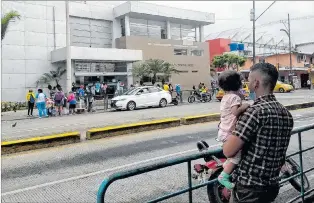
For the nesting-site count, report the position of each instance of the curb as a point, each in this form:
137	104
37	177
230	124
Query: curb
189	120
14	146
110	131
8	147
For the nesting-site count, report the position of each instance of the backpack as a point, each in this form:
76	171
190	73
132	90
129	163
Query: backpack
59	96
32	99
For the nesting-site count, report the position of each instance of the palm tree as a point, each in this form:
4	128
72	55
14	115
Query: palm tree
52	76
6	19
160	66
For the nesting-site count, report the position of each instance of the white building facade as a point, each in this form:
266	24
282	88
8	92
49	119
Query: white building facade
36	43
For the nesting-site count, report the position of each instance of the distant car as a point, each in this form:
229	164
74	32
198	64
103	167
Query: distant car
283	87
146	96
245	89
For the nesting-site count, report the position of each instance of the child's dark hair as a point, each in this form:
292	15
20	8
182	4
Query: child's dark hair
40	90
230	80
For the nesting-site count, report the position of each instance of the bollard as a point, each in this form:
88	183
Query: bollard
106	102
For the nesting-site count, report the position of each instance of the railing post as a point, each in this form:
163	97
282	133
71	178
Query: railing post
301	166
190	182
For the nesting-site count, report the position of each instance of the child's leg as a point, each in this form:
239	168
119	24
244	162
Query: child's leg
224	177
229	166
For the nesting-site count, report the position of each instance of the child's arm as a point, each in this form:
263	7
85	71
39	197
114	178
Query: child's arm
238	110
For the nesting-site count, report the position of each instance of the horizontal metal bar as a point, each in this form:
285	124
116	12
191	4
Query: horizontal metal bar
183	191
295	153
302	129
125	174
299	196
296	175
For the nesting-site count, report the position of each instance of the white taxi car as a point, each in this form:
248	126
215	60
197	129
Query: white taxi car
146	96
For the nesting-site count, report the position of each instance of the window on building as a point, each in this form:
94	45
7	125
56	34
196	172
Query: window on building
197	52
182	32
86	32
180	52
194	71
148	28
122	22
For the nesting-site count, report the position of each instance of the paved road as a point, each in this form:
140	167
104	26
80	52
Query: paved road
73	173
36	127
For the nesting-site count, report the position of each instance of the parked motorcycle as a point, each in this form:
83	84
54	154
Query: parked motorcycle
214	166
199	97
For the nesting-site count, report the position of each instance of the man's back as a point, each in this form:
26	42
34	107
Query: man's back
266	129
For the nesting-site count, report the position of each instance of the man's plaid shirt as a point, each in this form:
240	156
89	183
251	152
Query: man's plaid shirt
265	128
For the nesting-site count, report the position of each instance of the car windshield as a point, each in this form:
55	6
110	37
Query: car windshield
279	82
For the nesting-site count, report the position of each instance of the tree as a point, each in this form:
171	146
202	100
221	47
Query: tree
140	70
5	21
156	66
150	68
52	76
231	61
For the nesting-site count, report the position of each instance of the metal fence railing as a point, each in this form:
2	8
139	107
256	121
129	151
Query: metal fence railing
188	159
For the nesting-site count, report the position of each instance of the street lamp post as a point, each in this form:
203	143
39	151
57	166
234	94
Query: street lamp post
288	32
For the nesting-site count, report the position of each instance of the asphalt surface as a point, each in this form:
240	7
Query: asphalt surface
47	126
73	173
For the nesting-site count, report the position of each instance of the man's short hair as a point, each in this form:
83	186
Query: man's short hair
269	74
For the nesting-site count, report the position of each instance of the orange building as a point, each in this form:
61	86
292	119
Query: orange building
301	64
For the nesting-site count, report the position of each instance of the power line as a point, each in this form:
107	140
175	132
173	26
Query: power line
265	10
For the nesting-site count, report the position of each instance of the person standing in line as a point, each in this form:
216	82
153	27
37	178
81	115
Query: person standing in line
59	101
30	97
72	103
41	103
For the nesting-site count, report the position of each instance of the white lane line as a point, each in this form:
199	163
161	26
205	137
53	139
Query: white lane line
99	172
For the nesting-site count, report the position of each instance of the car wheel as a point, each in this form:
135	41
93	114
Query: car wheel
131	105
163	103
281	90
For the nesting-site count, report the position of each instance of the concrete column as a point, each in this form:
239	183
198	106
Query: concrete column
129	67
201	30
127	25
168	30
68	50
196	35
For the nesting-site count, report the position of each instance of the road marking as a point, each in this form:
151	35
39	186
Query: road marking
100	172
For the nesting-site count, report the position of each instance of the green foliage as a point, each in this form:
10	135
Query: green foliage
152	67
229	60
52	76
5	21
13	106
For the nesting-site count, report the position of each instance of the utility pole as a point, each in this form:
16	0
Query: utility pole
68	49
252	18
289	31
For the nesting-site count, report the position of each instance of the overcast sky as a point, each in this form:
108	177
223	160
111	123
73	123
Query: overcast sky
236	14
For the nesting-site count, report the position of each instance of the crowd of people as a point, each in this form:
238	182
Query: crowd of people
57	103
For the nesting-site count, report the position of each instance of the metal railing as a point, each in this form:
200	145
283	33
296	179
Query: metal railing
188	159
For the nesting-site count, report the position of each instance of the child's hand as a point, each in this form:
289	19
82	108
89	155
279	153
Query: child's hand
245	106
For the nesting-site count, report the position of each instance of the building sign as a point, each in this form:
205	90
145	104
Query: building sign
95	67
183	65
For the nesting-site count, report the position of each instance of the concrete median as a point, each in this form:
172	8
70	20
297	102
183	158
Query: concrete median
111	131
14	146
300	106
189	120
